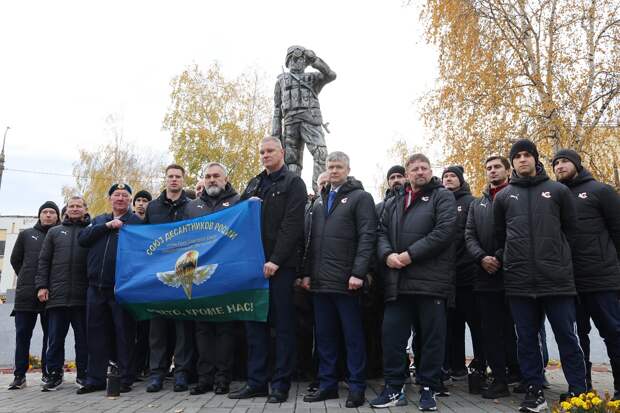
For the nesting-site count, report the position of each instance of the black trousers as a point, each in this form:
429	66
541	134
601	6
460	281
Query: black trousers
466	311
282	318
59	320
604	309
498	333
141	354
25	321
159	340
428	317
215	344
111	335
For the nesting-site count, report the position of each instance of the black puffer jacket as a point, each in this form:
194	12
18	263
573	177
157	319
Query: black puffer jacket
342	241
209	204
282	216
596	256
480	242
426	230
62	266
25	262
535	219
465	269
162	210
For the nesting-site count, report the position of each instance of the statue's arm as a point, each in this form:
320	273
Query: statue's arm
325	74
276	124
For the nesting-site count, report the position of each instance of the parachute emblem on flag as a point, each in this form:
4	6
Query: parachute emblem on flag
187	272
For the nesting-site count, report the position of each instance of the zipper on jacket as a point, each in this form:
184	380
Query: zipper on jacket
105	253
532	254
73	236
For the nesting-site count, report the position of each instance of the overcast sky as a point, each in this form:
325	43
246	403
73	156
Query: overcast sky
65	66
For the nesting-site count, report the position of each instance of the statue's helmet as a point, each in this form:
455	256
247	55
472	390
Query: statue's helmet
296	51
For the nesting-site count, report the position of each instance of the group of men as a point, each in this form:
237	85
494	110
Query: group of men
529	247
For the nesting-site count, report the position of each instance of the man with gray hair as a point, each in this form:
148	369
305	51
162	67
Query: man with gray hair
341	246
214	341
282	231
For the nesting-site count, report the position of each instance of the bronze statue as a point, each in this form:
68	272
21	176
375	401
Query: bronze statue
297	116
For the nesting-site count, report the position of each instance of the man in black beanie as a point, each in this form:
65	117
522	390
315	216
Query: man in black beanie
465	309
25	261
596	258
534	223
140	202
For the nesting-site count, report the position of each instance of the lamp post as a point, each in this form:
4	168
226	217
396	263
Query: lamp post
2	154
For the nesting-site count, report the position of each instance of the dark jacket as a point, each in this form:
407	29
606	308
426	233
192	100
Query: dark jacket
465	269
596	256
207	204
62	266
534	221
480	242
343	240
101	243
426	230
162	209
282	216
25	261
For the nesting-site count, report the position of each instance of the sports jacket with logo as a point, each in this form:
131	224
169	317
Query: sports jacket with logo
426	230
596	256
535	218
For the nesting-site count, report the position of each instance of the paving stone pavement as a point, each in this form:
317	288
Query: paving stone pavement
31	399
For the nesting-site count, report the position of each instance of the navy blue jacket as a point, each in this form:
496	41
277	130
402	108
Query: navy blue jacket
101	243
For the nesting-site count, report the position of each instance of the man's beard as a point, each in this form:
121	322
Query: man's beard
213	190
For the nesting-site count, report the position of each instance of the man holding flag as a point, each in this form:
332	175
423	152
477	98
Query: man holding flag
101	238
282	221
214	340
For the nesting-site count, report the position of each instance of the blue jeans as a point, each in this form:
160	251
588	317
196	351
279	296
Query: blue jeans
25	322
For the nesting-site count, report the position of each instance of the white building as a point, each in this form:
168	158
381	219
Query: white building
10	227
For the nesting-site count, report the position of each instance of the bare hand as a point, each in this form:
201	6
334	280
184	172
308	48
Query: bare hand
404	258
114	224
43	295
393	261
490	264
269	269
305	283
355	283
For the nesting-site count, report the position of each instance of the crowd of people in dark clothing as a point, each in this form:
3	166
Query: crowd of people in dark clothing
357	290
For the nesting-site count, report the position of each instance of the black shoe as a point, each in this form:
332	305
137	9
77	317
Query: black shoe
180	382
89	388
19	382
53	383
496	390
520	388
277	396
125	388
442	391
201	388
222	388
312	387
248	392
321	395
616	396
154	386
534	401
459	375
355	399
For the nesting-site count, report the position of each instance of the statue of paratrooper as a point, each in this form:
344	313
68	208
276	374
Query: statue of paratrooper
297	116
